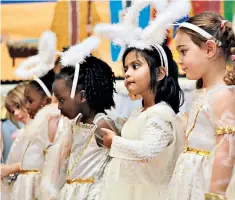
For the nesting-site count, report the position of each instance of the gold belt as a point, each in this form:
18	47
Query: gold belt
30	171
81	181
196	151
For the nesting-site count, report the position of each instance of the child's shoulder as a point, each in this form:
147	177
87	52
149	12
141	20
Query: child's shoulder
102	120
161	111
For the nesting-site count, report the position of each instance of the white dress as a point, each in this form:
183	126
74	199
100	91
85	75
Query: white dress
53	176
209	111
86	164
144	157
36	141
14	156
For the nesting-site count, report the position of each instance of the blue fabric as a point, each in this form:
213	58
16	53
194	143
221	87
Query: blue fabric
8	128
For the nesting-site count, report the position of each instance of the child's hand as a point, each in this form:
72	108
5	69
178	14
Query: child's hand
4	170
7	169
107	137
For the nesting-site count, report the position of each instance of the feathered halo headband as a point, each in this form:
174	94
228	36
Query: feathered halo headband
76	55
38	65
128	34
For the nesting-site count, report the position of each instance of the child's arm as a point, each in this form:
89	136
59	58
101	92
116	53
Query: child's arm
183	120
7	169
52	127
1	140
53	175
157	135
107	124
223	117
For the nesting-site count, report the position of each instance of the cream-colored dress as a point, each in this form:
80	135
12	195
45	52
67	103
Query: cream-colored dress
208	146
35	142
53	176
14	156
86	164
144	157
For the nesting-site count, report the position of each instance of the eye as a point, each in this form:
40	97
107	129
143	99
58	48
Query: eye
17	106
30	101
135	66
125	69
61	101
183	52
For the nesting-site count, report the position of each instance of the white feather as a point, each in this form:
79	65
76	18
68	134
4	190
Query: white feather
127	32
23	70
133	12
113	32
47	47
156	31
40	64
77	53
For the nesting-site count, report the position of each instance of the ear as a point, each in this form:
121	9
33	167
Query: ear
211	48
46	101
161	73
82	96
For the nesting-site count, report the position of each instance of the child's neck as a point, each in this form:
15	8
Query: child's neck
149	100
88	118
215	75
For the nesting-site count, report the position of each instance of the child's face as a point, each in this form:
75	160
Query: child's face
34	100
192	58
137	74
69	107
19	113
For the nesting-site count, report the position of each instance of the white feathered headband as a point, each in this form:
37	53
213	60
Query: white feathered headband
38	65
76	55
128	34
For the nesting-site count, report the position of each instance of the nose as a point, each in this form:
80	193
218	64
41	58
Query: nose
16	112
180	61
128	73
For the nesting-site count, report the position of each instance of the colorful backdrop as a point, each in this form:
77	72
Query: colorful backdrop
72	21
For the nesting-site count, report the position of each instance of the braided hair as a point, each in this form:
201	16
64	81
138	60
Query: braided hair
96	78
211	23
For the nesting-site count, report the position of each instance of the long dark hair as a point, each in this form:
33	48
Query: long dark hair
168	88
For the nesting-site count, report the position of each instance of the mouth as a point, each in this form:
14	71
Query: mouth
129	83
21	119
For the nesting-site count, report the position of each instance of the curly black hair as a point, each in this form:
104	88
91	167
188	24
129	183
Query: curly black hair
47	79
96	78
168	89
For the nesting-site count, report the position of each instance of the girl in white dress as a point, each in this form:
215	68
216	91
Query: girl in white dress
143	158
15	105
40	132
205	43
84	89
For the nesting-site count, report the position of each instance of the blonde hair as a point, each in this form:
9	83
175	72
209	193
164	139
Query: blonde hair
15	97
212	23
